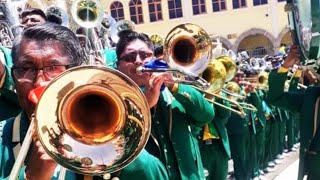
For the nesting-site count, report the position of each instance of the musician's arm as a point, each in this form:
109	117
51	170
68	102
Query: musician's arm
220	112
276	96
257	102
195	104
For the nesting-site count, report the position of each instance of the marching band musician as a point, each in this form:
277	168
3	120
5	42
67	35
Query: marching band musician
257	126
306	103
32	17
214	143
243	132
238	134
8	102
40	54
174	110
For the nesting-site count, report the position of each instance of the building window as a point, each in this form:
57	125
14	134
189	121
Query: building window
135	8
259	2
175	9
218	5
116	9
199	7
155	12
239	4
259	51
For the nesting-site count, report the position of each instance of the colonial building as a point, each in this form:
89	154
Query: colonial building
258	26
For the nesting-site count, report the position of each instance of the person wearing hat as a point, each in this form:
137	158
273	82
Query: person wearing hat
33	16
307	104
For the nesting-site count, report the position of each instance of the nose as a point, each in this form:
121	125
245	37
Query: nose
40	79
138	61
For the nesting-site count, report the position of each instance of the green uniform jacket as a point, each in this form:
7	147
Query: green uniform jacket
9	106
110	58
144	167
217	127
219	122
300	101
255	99
172	140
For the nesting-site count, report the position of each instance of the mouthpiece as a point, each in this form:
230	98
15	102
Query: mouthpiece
139	70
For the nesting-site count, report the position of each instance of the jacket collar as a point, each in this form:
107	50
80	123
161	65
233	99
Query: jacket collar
170	100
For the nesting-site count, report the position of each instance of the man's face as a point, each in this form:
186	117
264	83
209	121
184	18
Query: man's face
135	54
32	20
239	77
47	56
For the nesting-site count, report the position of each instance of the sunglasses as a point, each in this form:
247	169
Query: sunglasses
132	56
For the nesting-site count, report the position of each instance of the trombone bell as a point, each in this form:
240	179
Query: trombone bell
94	125
215	75
230	66
98	103
188	47
184	51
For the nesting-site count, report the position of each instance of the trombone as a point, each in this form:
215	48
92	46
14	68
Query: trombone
87	139
187	50
260	82
235	89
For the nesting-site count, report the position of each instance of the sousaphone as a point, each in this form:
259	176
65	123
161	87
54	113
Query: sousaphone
304	23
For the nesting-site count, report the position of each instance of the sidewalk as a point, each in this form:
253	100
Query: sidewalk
288	170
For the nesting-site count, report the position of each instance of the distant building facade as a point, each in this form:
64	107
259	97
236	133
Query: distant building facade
257	26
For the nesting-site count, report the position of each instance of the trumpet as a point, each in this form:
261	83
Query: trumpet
85	138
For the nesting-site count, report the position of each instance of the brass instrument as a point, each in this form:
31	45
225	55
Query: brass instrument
121	26
54	12
260	82
219	50
6	36
92	125
235	89
187	51
156	39
188	46
104	31
215	74
219	71
87	13
230	65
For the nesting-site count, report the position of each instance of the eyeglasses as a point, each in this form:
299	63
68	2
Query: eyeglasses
132	56
29	74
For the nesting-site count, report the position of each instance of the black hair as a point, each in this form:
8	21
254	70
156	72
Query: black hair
250	72
158	51
32	11
127	36
82	31
54	18
51	32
